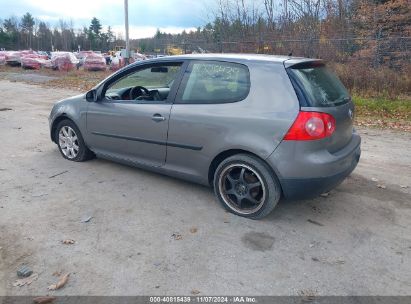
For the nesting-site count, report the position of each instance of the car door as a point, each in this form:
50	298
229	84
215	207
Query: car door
134	128
207	115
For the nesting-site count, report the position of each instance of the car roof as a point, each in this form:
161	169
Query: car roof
286	60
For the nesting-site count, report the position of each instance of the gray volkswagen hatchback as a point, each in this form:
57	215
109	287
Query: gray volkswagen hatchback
256	128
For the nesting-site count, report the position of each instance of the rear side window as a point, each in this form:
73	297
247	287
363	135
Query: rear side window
215	82
318	86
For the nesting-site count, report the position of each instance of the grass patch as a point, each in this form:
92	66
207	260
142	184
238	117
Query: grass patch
383	108
383	112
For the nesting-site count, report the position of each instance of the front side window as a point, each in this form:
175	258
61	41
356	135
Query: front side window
215	82
152	83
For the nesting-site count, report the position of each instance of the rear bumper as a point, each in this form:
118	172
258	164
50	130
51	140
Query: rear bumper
305	172
306	188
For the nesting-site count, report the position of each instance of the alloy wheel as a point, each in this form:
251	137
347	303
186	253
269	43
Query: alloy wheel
68	142
242	188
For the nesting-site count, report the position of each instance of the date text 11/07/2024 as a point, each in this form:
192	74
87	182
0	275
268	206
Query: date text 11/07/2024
203	299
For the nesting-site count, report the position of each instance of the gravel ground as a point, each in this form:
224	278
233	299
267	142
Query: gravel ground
26	77
151	234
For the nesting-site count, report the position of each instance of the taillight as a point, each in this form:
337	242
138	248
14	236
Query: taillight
310	126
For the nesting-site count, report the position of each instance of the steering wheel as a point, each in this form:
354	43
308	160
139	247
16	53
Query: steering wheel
142	90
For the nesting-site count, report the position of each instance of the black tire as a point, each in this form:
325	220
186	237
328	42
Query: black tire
84	153
262	175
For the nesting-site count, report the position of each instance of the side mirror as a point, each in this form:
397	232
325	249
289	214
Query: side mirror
91	96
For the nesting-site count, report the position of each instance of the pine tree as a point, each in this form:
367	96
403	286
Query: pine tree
27	24
95	26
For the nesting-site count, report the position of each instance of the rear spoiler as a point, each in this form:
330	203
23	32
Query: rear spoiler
303	62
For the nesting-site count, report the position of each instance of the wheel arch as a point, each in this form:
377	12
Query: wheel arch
56	121
228	153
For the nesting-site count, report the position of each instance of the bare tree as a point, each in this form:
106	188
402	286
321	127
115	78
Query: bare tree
269	9
286	15
306	8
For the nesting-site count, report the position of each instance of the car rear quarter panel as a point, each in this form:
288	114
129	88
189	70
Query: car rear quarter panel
256	124
309	159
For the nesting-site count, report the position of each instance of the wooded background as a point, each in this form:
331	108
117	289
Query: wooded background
367	42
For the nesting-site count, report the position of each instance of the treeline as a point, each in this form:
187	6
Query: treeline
369	41
30	33
377	30
330	29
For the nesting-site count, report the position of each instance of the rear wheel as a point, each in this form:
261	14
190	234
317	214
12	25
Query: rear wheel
246	186
70	142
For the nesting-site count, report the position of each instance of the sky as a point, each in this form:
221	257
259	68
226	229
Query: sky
145	16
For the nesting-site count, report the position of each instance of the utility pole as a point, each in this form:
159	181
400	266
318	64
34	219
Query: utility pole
127	40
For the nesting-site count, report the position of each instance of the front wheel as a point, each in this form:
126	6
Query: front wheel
246	186
70	142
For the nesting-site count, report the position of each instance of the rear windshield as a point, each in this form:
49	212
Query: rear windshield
317	85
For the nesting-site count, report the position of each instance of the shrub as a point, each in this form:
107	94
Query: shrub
367	81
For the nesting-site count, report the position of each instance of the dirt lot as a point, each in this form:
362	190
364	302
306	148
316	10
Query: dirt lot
356	241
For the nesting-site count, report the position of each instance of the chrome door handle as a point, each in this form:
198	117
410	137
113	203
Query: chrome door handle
158	117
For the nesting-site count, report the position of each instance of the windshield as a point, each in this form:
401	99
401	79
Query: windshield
320	87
